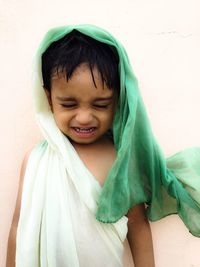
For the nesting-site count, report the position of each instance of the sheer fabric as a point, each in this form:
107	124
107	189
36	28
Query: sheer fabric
140	173
58	187
57	226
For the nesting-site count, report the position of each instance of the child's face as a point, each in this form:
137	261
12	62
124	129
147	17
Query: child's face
82	111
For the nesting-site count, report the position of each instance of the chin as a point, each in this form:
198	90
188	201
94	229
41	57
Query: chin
81	141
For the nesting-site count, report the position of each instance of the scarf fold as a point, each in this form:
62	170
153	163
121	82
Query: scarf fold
56	180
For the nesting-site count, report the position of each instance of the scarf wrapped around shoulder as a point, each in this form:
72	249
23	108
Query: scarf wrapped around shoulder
140	173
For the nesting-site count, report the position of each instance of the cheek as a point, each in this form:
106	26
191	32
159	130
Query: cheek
108	119
61	118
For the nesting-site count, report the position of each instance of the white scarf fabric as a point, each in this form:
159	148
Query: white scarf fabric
57	225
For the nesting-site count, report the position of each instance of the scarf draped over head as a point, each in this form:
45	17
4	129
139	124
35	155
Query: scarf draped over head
140	173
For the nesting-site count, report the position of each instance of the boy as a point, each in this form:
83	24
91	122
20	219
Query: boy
65	174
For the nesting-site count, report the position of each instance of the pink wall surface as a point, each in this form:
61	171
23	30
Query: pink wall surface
162	38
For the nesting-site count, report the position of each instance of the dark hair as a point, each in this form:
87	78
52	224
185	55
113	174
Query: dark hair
66	54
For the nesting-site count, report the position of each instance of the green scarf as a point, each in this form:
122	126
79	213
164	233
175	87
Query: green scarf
140	174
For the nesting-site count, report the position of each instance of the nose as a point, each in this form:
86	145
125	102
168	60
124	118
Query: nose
84	117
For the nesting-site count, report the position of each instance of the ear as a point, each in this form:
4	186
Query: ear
48	94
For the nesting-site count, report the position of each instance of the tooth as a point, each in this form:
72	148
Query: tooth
78	129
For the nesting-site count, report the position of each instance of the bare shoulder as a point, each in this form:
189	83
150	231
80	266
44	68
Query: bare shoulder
20	187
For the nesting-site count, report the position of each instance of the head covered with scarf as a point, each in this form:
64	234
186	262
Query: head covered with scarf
140	173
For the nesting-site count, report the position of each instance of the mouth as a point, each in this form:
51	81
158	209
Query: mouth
84	132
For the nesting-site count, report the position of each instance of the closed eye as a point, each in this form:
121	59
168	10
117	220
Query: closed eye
69	105
101	105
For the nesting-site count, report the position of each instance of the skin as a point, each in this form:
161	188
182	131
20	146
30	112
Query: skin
140	238
84	112
10	261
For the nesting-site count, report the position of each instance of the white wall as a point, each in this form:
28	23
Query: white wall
162	38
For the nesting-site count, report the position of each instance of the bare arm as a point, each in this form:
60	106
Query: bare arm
139	237
11	249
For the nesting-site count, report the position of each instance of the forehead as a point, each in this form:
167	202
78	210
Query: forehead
83	82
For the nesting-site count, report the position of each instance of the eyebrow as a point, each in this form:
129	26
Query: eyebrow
103	98
65	98
73	99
